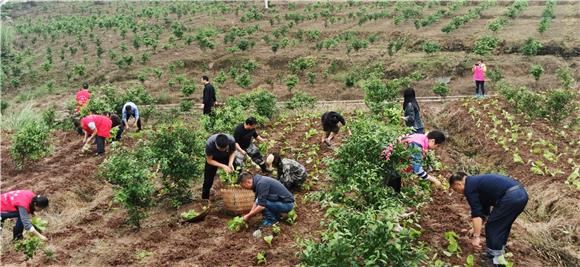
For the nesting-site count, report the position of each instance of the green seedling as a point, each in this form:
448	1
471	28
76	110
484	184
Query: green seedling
292	216
261	257
268	239
276	229
236	224
188	215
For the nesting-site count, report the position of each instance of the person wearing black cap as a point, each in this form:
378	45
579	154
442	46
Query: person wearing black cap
20	204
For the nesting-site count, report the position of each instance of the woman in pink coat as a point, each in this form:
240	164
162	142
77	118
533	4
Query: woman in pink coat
479	70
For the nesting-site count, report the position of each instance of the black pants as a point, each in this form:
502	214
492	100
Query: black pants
480	87
123	126
100	141
18	228
207	108
208	176
393	179
503	215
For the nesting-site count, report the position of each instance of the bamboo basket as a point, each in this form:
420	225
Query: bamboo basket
237	200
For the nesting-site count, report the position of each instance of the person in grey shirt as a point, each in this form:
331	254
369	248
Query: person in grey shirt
272	198
412	116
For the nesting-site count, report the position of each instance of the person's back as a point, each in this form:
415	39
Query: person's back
488	188
270	189
102	123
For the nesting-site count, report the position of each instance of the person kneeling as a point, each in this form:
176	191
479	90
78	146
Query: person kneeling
272	198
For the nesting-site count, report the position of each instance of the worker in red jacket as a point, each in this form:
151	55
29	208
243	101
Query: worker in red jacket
20	204
97	127
82	97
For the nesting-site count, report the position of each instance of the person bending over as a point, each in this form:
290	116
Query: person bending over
272	198
20	204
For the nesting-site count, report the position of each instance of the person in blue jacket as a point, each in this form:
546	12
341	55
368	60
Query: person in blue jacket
508	199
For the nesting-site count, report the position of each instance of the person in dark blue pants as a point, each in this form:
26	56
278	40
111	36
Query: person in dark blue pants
508	199
272	197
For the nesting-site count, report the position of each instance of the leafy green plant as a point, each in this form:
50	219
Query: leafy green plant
453	245
300	64
264	102
291	81
469	261
530	47
39	224
431	47
128	171
179	152
495	75
185	105
30	143
236	224
301	100
292	216
29	246
244	79
190	214
261	258
441	89
536	71
484	45
564	74
276	229
268	239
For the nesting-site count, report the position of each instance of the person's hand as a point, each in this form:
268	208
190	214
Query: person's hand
231	166
245	154
470	232
43	238
476	242
246	217
434	180
227	169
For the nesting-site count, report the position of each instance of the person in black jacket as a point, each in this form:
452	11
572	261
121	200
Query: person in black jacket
272	198
411	108
330	125
508	199
209	98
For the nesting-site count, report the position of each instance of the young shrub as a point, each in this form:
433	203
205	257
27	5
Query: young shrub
431	47
441	89
379	95
565	76
226	117
301	100
531	47
179	151
291	81
264	102
29	246
536	71
185	105
128	171
49	117
244	79
560	104
3	105
484	45
188	89
220	78
30	143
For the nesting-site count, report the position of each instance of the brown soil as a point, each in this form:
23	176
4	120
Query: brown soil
87	228
560	49
470	149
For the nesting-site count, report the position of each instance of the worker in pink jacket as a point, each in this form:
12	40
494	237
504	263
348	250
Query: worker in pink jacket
479	70
20	204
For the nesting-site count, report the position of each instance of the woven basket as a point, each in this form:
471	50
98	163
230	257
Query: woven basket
237	200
